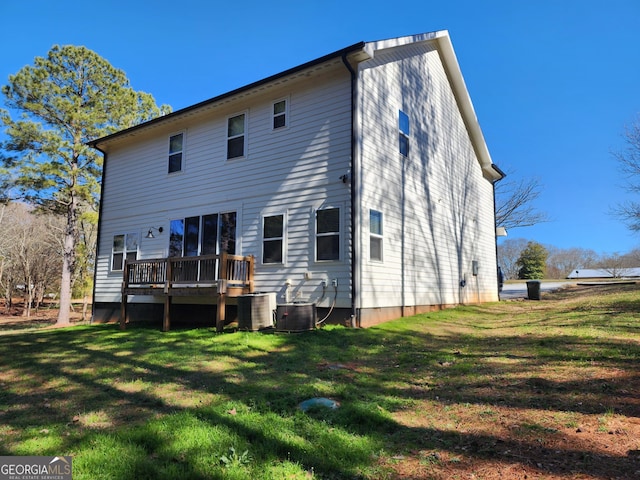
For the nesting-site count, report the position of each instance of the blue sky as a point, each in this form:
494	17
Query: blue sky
553	82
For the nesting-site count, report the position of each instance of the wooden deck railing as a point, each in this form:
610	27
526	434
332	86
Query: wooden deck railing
222	275
204	270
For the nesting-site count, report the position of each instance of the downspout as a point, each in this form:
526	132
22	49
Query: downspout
355	314
95	266
495	221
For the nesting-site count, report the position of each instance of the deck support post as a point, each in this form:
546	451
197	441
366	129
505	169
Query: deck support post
222	291
166	319
221	314
123	295
123	311
222	305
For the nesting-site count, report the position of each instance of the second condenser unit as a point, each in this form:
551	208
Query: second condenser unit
296	317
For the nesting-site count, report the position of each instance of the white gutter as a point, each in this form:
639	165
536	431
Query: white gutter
452	68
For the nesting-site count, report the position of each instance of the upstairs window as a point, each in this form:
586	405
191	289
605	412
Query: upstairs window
403	127
279	114
273	239
236	127
375	235
328	234
175	152
124	247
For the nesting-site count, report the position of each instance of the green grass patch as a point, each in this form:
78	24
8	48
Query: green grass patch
421	397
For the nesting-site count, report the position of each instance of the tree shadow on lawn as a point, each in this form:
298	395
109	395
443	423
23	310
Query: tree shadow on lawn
247	387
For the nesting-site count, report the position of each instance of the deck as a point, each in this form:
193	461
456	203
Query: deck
220	276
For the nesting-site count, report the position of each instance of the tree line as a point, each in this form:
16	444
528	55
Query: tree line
525	259
29	255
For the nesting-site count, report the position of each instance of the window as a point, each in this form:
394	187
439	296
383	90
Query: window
279	114
236	136
228	232
209	234
375	235
203	235
328	234
191	236
403	127
175	152
273	239
176	236
124	247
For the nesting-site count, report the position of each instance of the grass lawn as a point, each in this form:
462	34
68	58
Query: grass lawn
544	389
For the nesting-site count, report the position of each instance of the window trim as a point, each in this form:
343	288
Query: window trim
285	113
339	233
283	238
182	152
233	137
377	236
125	252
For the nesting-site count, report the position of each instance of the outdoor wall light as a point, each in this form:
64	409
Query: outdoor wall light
150	232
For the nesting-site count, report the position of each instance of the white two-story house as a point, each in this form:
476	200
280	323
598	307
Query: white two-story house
359	183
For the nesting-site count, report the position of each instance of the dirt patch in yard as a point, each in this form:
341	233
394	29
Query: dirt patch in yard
12	318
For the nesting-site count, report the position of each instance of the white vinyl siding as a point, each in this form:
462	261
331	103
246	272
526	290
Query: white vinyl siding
442	217
295	172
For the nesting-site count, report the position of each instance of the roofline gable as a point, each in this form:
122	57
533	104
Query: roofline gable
449	60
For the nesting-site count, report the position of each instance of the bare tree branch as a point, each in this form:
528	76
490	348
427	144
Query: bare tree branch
514	203
629	163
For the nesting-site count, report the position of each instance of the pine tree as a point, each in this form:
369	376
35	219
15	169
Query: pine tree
66	99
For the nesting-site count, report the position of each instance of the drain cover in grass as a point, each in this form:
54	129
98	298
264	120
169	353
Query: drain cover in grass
318	402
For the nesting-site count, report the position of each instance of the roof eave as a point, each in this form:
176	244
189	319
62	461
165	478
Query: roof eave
445	48
187	110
